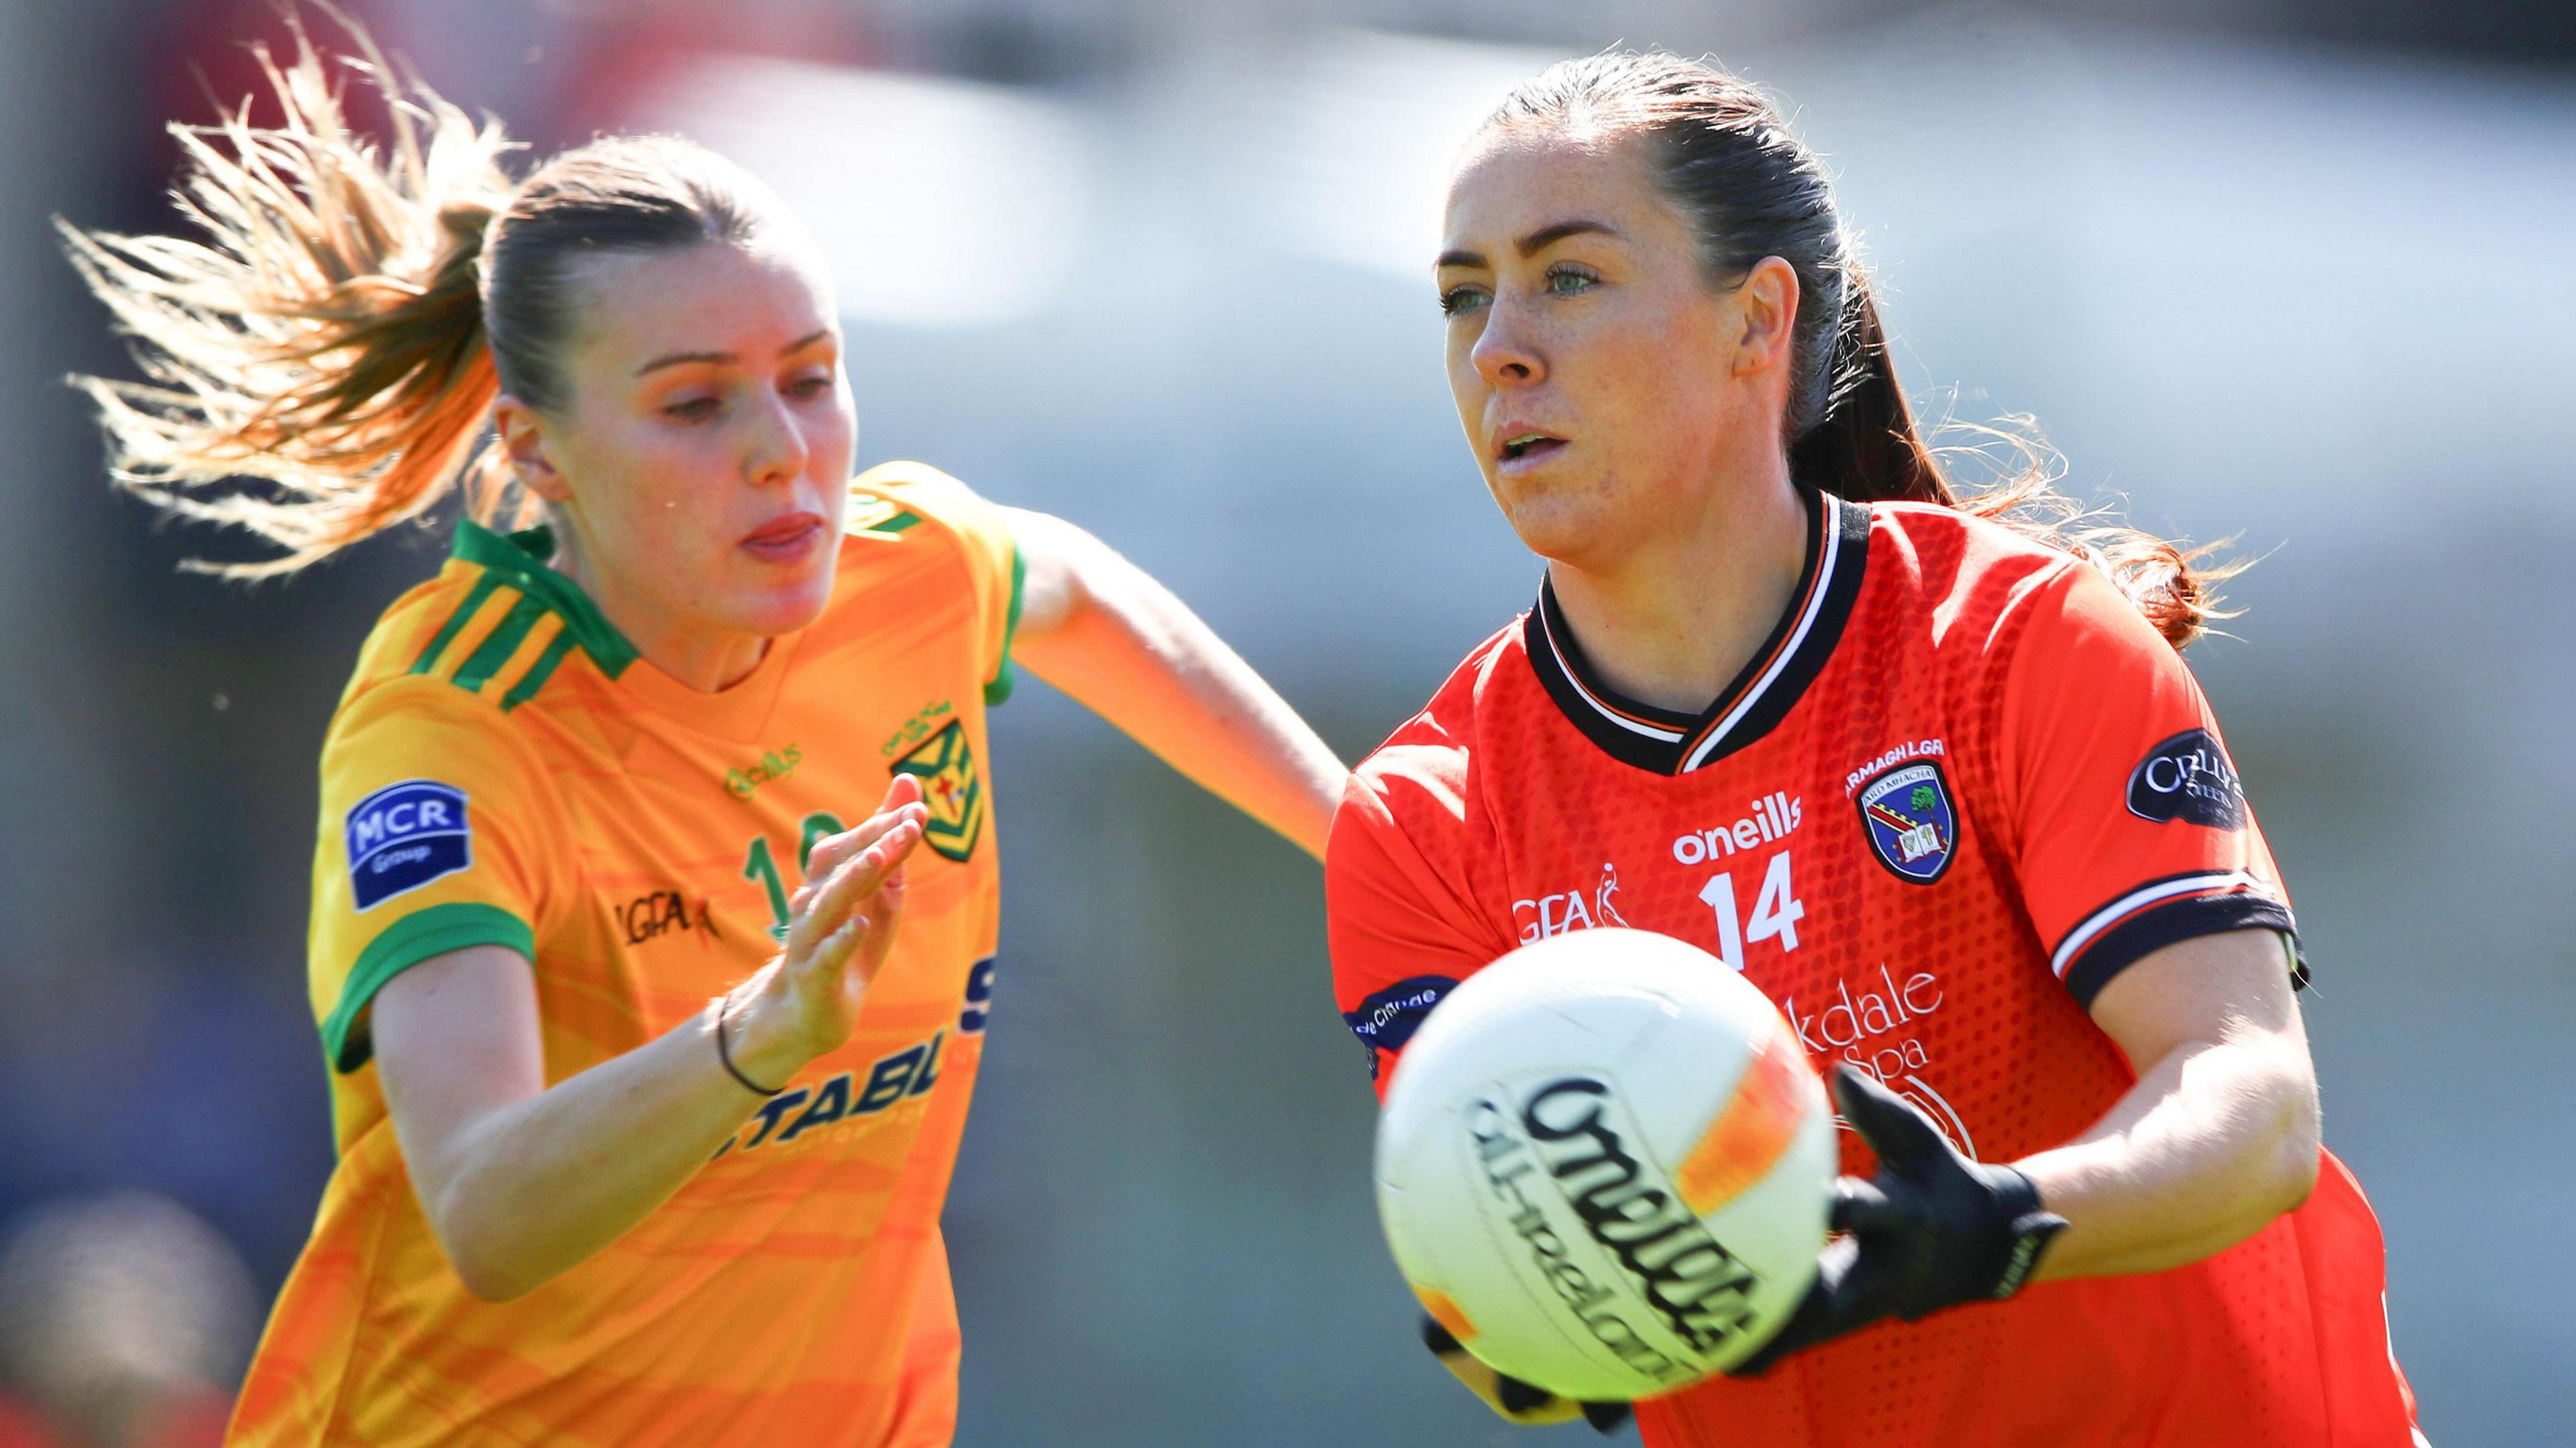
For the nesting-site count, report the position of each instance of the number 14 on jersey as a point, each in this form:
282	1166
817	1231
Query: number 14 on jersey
1776	911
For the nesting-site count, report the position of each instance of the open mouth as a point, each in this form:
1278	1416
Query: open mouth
1529	445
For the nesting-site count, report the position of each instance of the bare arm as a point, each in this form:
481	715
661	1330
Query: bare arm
520	1180
1101	629
2219	1135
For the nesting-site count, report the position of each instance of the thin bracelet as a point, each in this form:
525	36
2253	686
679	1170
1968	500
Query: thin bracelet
724	1053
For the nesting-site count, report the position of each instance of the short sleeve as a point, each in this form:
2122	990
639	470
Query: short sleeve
890	491
1399	914
432	839
2130	825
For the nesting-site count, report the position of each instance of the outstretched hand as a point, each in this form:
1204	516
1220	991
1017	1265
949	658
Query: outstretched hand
1932	1230
840	924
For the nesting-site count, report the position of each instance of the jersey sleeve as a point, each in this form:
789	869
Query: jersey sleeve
1399	912
433	838
2130	826
993	560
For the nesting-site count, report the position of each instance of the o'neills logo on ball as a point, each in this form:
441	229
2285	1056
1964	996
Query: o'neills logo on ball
1571	1129
1511	1168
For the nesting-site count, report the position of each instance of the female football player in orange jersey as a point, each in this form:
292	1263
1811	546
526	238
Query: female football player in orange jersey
648	1072
1934	777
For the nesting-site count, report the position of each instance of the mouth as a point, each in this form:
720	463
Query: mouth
784	539
1528	446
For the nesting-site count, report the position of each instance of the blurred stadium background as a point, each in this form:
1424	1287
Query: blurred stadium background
2293	270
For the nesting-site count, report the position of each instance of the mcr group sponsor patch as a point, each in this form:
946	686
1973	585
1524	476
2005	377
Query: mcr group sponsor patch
1913	827
950	787
2188	777
404	836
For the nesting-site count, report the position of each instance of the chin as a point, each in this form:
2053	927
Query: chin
1558	527
785	608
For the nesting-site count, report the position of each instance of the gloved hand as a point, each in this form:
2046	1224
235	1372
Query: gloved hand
1932	1230
1509	1396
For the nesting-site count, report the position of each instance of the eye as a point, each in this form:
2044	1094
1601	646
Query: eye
1457	301
809	386
692	409
1566	278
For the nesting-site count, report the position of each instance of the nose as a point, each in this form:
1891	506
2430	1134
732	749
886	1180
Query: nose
1505	354
774	450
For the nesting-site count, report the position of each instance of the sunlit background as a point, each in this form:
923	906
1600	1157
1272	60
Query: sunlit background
2297	271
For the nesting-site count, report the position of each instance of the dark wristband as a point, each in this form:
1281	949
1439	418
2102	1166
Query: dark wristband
2028	1230
724	1053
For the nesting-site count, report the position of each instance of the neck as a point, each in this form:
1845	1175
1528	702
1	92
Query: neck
1672	620
708	660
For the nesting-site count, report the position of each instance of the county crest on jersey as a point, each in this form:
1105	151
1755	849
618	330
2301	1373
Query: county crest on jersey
1906	825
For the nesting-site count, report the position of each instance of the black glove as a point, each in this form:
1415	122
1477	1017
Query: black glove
1932	1230
1515	1400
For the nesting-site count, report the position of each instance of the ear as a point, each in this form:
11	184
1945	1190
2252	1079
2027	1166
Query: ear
523	442
1768	301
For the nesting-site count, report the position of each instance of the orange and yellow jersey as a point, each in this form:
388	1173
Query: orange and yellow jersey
1960	788
504	770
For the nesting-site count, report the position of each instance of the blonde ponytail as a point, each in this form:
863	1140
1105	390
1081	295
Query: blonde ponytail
326	337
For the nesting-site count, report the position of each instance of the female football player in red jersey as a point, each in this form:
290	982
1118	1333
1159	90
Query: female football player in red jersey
1936	779
641	1140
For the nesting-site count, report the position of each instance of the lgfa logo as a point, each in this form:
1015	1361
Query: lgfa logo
1574	910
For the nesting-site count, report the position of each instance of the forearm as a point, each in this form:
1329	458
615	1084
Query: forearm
1135	654
534	1187
2214	1141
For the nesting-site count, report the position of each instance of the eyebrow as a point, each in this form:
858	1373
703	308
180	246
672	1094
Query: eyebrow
675	359
1534	243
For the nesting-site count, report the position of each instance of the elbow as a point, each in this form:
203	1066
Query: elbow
490	1281
486	1267
2295	1147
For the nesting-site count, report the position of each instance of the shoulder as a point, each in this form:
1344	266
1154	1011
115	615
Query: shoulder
894	498
1417	783
1975	582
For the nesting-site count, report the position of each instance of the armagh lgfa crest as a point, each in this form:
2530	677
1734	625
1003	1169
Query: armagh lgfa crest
1913	828
946	769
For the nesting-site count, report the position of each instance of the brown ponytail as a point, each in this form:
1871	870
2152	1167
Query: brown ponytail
342	330
1723	154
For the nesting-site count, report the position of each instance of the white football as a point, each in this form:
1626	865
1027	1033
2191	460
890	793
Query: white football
1605	1165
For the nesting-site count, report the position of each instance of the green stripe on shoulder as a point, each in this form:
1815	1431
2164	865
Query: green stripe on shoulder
538	672
498	645
400	946
456	621
520	559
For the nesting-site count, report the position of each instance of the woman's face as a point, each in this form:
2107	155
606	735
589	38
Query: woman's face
1603	383
701	457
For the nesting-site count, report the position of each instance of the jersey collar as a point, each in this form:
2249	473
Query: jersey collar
1757	698
521	559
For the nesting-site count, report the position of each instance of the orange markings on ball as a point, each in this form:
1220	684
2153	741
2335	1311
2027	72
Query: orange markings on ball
1751	1131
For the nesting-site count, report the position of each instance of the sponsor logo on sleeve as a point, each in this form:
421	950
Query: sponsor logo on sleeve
1388	1019
1913	827
2189	778
404	836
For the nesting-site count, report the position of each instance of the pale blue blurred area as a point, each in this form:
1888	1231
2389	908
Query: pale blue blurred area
1164	270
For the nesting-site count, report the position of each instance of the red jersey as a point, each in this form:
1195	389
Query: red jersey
1960	787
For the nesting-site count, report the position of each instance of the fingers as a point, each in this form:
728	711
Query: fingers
831	852
1821	1314
1904	1138
1507	1395
1860	1206
828	907
904	789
